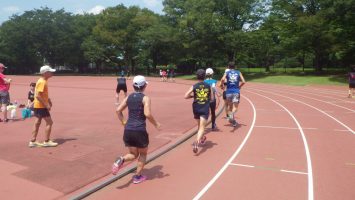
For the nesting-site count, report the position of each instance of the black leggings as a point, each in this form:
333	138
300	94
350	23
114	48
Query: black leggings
213	111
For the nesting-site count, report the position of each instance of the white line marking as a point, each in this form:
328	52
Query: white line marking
240	165
308	155
353	132
280	127
328	102
220	172
281	170
294	172
341	130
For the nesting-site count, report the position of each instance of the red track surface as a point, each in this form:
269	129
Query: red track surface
292	143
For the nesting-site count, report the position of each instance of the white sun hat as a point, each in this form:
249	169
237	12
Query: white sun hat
45	69
209	71
139	81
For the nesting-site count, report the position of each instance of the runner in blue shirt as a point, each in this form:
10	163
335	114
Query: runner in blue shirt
235	81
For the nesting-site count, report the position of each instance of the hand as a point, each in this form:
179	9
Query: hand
158	126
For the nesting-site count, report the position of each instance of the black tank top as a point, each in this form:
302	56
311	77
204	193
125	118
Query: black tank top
136	117
352	77
202	94
121	81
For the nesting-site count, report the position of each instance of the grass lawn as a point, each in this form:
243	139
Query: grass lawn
300	80
288	79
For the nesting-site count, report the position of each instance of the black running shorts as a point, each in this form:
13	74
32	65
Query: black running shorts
137	139
41	112
121	87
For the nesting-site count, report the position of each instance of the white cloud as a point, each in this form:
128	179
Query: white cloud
151	3
11	9
96	10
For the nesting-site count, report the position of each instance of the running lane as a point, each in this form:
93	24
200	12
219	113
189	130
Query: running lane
293	150
331	139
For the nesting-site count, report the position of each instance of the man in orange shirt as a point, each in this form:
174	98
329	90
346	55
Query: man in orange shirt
42	106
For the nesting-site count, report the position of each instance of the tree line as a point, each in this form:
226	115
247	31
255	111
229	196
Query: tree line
190	34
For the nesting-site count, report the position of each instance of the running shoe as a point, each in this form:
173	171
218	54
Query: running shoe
139	178
203	140
34	144
235	123
117	165
214	126
195	147
50	143
230	120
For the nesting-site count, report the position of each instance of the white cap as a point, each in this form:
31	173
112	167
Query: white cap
139	81
45	69
209	71
227	70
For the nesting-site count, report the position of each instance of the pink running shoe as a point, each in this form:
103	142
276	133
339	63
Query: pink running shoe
117	165
203	140
139	178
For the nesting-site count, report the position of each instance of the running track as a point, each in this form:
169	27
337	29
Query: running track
292	143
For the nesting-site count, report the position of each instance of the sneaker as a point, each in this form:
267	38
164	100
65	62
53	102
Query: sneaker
235	123
50	143
139	178
214	126
117	165
195	147
34	144
230	120
203	140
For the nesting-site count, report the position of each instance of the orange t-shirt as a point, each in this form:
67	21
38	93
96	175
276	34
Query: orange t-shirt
41	87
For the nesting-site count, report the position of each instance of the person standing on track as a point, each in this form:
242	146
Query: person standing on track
135	134
4	92
352	82
201	92
42	106
121	85
235	81
212	82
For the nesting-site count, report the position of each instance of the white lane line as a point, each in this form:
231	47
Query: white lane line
328	102
259	167
308	155
240	165
300	90
348	128
341	130
293	172
280	127
220	172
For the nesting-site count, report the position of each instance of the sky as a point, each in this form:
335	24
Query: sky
11	7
